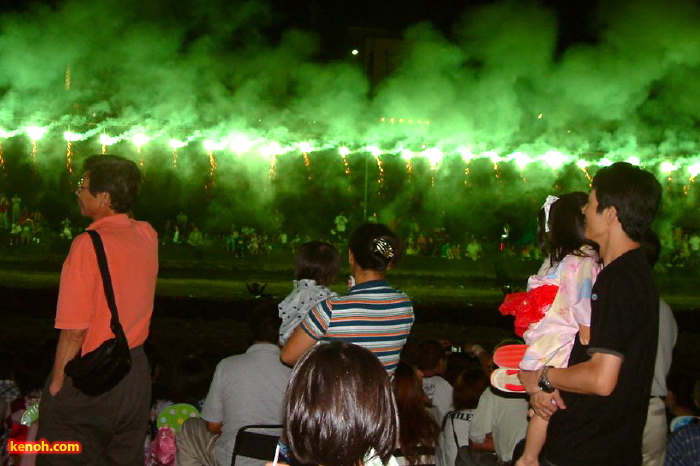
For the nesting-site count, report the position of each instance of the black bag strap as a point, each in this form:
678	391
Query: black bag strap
106	280
454	432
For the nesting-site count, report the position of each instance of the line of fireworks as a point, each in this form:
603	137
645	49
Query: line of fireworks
240	143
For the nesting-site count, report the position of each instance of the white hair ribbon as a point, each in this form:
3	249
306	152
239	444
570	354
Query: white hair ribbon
547	206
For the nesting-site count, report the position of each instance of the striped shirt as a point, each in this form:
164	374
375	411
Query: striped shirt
372	315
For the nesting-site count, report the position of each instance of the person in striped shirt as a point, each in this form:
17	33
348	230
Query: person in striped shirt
372	314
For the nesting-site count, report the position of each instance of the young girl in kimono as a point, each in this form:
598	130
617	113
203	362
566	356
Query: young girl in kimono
556	308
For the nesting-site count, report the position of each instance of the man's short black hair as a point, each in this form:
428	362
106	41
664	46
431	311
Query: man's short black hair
115	175
635	194
428	354
264	322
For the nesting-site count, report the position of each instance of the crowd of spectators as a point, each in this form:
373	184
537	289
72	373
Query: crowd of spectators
681	248
481	425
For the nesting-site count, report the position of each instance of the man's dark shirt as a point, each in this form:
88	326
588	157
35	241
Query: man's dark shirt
598	430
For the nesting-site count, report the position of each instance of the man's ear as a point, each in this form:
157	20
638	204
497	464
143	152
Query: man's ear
106	200
611	215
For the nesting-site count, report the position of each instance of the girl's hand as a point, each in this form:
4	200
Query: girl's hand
584	334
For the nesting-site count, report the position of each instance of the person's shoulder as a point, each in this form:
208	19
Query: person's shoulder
586	255
144	226
441	382
233	363
631	267
81	242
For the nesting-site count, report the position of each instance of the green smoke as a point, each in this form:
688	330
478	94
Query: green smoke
510	110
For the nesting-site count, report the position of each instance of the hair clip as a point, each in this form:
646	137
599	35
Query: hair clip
547	206
383	247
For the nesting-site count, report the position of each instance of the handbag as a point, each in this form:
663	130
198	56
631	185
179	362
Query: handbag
467	456
103	368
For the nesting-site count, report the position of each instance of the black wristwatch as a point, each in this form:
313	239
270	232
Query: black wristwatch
544	382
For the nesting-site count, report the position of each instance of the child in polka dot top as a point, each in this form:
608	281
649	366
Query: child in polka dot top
316	266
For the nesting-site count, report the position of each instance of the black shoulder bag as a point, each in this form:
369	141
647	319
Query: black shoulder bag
467	456
101	370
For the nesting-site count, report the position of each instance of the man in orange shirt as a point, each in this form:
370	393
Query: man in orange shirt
110	426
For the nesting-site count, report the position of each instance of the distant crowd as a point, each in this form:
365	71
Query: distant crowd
22	227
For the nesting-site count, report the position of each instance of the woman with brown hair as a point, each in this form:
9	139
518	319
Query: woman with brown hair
419	431
340	410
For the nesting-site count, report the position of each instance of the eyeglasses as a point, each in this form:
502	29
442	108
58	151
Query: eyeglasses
79	189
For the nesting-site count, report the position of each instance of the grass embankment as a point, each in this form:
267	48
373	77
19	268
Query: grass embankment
451	297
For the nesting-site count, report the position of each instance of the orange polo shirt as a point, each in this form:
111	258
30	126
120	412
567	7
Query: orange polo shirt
132	255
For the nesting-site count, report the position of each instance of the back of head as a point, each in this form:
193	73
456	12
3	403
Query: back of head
566	225
264	322
339	406
682	386
635	194
468	388
318	261
115	175
428	355
408	389
375	247
417	427
192	378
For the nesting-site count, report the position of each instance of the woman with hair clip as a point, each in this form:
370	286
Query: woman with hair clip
339	409
555	309
372	314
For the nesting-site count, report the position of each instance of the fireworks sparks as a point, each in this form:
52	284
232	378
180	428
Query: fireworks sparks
255	145
344	152
35	133
70	138
106	141
139	141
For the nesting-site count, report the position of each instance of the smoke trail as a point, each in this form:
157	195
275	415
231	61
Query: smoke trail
497	114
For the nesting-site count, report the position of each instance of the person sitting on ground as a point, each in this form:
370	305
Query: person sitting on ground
418	428
373	314
195	237
247	389
339	409
469	386
431	361
316	266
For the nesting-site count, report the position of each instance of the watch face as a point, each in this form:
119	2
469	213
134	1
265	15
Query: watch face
544	383
547	388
